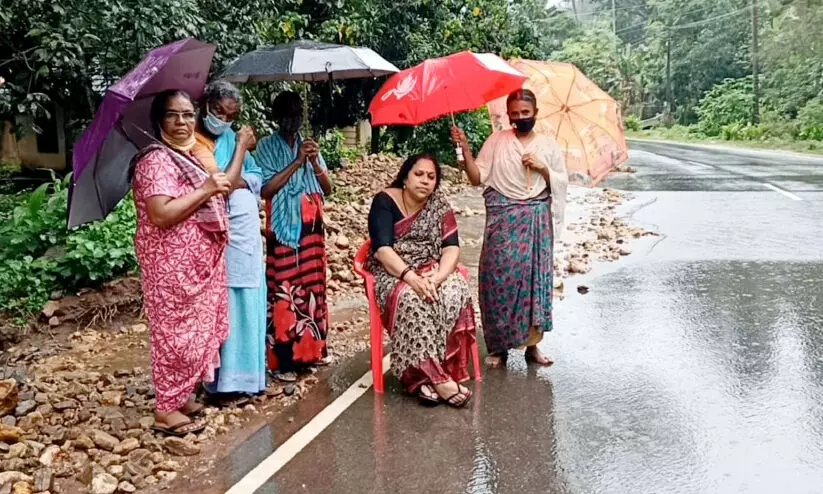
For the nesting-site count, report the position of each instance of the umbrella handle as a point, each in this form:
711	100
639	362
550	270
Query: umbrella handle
457	149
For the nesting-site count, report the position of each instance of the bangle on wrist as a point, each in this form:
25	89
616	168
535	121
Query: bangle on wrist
404	273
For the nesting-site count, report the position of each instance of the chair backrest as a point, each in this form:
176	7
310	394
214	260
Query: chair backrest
360	259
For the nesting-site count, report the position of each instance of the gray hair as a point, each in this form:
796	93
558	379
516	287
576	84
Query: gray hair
219	90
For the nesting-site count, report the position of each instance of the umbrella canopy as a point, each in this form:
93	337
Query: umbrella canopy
122	125
461	82
308	61
584	120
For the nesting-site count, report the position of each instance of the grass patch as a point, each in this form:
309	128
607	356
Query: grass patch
679	133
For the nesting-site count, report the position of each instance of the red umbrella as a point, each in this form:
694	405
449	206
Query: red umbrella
441	86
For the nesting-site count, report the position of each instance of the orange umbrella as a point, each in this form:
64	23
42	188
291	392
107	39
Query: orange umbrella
584	120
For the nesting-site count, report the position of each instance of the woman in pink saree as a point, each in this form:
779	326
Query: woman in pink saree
422	289
182	233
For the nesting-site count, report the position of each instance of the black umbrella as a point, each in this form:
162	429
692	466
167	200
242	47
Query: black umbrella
308	61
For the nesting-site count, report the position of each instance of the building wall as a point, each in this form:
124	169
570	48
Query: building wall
28	150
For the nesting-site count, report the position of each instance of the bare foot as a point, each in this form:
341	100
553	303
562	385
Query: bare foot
533	354
191	408
494	361
171	420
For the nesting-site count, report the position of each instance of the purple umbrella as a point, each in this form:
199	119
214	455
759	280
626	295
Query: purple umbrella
122	125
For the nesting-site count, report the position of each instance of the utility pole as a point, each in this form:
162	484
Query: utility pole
614	18
668	74
755	67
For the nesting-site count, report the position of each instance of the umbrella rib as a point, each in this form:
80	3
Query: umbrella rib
595	124
582	145
596	100
548	83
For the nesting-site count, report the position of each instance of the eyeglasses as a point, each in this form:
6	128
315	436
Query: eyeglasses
188	116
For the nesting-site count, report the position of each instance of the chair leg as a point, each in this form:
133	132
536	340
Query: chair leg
377	357
478	375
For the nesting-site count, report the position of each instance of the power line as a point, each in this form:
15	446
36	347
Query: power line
711	19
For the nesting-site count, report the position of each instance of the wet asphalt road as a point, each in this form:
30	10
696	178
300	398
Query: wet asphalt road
693	366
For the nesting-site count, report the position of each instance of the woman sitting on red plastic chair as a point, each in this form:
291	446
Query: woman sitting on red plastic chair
422	291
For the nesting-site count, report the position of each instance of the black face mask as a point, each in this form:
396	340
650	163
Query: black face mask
290	125
524	125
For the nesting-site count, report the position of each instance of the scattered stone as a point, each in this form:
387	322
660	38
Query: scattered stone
10	434
23	408
47	459
127	446
54	321
18	450
139	456
51	309
167	465
66	405
22	488
36	448
126	488
4	448
9	420
166	477
342	242
180	447
29	422
110	459
84	442
104	440
583	289
104	483
578	267
116	470
112	398
8	396
13	478
43	480
289	389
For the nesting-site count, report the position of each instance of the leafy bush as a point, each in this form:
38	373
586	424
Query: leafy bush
738	131
334	151
777	126
730	102
810	120
631	122
39	257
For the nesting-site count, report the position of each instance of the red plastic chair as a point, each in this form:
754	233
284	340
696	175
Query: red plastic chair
376	323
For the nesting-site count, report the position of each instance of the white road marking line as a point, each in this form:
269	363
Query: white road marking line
300	439
784	192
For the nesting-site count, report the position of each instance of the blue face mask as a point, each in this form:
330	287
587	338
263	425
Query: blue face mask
214	125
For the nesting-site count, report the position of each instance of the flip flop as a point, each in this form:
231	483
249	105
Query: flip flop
462	403
180	430
429	398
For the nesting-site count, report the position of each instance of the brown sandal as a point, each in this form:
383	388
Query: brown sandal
180	430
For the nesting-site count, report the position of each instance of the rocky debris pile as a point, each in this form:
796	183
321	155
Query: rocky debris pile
599	236
624	168
66	422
